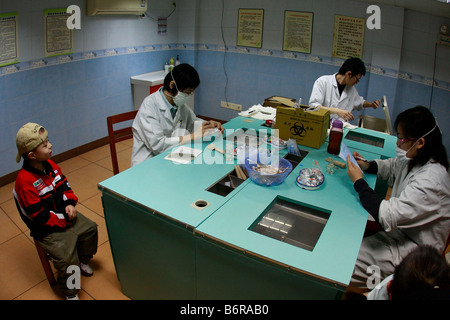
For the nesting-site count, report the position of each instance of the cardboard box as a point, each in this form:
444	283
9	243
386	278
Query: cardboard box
308	128
276	101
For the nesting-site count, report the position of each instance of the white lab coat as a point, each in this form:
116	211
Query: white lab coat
416	213
325	93
380	292
154	129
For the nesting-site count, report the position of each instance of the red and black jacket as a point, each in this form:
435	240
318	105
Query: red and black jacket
41	198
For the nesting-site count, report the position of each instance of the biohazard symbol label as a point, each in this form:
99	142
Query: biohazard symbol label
298	130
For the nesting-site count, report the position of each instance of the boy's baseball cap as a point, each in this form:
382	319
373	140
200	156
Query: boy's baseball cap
28	138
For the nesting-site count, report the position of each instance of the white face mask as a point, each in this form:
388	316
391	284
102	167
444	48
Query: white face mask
401	154
180	99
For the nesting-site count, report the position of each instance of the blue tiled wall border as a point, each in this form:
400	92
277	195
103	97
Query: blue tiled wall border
79	56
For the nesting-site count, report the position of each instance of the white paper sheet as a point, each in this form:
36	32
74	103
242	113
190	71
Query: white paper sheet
345	151
183	155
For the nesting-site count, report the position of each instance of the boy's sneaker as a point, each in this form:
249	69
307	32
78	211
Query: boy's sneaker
86	270
73	297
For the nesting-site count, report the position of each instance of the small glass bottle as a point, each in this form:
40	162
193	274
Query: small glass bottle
166	68
335	138
330	168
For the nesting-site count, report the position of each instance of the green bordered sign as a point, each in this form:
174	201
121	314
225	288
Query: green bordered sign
58	38
9	47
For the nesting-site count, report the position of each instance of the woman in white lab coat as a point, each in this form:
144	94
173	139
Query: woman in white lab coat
418	209
164	120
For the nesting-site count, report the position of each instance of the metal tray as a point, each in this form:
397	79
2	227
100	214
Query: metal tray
364	138
293	223
226	184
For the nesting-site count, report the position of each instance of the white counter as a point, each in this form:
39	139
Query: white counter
145	84
149	79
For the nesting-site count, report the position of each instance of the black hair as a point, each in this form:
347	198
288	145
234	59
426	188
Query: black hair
185	76
423	270
417	122
355	65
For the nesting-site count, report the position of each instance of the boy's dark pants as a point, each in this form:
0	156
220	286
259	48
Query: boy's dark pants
76	244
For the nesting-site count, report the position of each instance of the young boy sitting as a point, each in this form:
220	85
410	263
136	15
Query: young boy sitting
47	206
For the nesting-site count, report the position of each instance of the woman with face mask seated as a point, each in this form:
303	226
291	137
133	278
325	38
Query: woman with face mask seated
164	120
418	209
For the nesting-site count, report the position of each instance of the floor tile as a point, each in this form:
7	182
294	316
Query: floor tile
9	229
123	160
20	267
6	192
84	181
10	209
97	154
95	204
73	164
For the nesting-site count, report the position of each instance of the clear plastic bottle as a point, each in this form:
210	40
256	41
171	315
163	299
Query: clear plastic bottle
166	68
335	138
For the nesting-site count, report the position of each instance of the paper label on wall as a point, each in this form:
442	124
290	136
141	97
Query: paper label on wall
9	48
250	27
298	31
348	37
58	38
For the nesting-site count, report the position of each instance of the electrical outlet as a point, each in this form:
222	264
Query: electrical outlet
232	106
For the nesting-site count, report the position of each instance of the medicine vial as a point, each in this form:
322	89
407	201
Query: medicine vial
335	138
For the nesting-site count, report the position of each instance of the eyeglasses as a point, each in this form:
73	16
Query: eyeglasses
403	140
188	92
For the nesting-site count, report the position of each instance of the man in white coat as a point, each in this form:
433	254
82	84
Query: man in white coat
337	93
164	120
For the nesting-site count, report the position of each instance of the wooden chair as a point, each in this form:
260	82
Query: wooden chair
377	124
372	123
119	134
45	260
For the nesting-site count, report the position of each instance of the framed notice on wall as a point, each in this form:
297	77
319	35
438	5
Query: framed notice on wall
297	31
9	48
250	27
58	38
348	37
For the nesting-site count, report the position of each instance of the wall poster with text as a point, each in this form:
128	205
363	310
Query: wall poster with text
58	38
9	47
297	34
250	27
348	37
